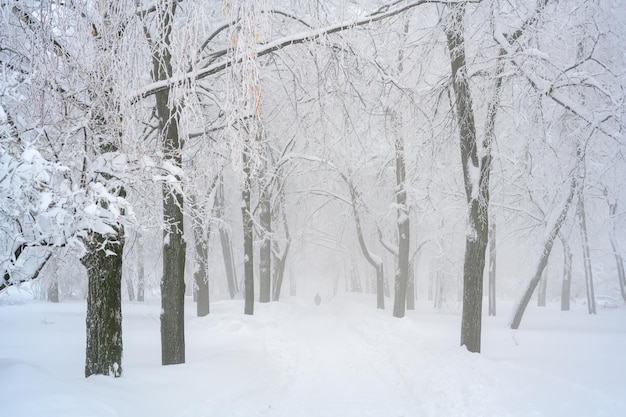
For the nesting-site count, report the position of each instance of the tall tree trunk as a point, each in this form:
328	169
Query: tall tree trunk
621	276
380	286
265	250
141	272
582	221
385	284
248	244
591	300
173	279
492	268
130	284
567	274
278	271
201	280
543	286
104	253
280	260
410	289
402	275
372	259
547	247
130	289
225	242
476	179
200	275
490	136
103	262
403	210
247	113
173	283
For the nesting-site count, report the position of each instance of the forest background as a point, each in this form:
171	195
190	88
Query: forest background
176	147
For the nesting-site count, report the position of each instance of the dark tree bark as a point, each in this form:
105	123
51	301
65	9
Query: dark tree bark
478	199
173	283
567	274
582	218
173	279
476	189
104	253
248	244
103	262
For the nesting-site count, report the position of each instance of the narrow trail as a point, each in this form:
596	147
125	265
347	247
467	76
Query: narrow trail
345	358
326	359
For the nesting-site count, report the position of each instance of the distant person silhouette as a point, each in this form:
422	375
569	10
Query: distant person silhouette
317	299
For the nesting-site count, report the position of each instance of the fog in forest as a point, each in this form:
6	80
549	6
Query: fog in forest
313	207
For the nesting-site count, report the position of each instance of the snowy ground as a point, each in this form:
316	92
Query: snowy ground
293	359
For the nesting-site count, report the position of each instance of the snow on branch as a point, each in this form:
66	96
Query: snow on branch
42	209
383	13
546	87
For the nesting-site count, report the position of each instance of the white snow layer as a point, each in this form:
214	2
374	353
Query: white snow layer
293	359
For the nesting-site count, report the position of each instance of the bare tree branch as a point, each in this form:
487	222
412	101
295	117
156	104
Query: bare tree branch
264	49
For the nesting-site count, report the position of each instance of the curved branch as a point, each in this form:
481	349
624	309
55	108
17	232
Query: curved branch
264	49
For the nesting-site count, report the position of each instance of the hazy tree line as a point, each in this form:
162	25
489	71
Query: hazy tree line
393	134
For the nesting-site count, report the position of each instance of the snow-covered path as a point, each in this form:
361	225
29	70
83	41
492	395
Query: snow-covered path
343	358
329	357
